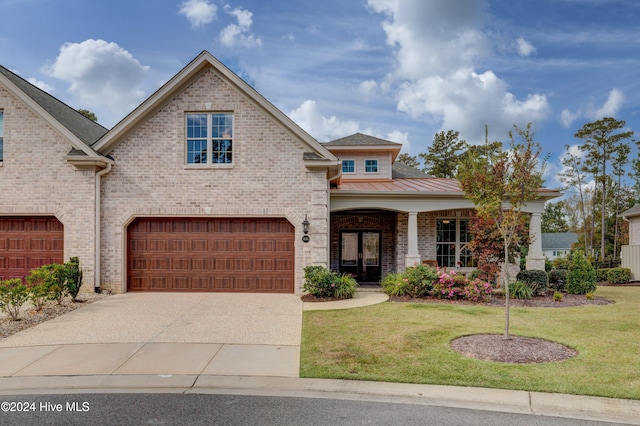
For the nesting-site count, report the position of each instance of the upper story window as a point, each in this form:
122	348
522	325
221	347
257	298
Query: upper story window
348	166
371	166
210	138
1	136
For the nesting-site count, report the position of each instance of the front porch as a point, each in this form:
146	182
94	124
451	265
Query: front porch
371	243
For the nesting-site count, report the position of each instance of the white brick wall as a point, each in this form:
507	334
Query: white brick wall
35	179
268	177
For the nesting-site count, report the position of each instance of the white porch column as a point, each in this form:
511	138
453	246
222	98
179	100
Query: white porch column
535	258
413	256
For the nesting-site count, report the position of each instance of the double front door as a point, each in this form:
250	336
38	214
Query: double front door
360	255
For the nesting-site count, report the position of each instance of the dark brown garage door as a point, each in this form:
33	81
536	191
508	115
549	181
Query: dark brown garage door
202	254
27	243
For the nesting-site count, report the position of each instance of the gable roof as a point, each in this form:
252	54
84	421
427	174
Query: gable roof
317	155
558	240
81	131
632	212
360	139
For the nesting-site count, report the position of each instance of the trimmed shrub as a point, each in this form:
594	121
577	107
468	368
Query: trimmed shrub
478	290
321	282
581	276
13	294
449	286
536	279
420	280
601	274
39	282
619	275
520	290
558	296
57	287
558	279
73	277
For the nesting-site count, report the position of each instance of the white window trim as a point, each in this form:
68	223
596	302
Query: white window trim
458	243
200	166
355	166
377	166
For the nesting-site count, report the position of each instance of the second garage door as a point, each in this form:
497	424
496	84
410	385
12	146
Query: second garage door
210	254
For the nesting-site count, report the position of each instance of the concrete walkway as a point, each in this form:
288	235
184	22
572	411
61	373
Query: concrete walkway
231	344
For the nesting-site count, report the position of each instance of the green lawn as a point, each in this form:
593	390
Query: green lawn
409	342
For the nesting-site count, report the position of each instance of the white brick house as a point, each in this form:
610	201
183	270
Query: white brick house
206	186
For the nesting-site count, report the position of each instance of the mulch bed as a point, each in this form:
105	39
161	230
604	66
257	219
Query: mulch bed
537	302
51	310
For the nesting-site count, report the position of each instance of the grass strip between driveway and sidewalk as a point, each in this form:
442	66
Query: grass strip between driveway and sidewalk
410	343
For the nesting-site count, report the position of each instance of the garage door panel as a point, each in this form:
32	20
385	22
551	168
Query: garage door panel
28	242
212	254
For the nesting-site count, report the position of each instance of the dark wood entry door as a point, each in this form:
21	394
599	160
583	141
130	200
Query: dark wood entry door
360	255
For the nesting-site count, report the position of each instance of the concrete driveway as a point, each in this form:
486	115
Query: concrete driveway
160	333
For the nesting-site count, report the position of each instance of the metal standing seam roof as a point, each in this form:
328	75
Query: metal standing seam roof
431	185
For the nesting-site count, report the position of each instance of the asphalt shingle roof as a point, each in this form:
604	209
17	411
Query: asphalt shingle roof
359	139
80	126
558	240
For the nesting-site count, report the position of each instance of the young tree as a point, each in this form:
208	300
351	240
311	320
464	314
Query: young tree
500	185
601	143
443	156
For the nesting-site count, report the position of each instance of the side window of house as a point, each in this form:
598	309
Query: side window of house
348	166
371	166
1	136
209	138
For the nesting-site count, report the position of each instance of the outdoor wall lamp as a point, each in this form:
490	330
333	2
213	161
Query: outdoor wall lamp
305	229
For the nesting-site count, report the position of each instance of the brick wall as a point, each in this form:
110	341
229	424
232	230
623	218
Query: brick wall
267	178
36	180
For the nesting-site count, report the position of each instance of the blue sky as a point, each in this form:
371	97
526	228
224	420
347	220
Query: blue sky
396	69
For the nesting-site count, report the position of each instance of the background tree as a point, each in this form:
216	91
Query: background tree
409	160
601	143
90	115
500	185
553	219
620	160
443	156
574	176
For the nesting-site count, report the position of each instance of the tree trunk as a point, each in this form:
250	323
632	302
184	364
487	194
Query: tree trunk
506	289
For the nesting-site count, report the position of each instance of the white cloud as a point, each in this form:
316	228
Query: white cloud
324	129
367	87
524	47
100	74
198	12
588	111
400	137
41	85
240	34
437	46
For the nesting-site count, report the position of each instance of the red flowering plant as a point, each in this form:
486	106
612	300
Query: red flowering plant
456	286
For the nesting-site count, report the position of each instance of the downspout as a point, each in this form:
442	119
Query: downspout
98	227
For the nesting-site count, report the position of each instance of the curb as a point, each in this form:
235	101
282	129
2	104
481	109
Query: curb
520	402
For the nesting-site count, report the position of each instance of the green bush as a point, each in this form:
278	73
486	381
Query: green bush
558	296
581	276
39	282
601	274
394	284
420	280
560	262
536	279
321	282
73	277
558	279
520	290
13	294
619	275
57	286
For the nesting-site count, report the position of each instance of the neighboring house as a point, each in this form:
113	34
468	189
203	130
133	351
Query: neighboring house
206	186
558	244
630	254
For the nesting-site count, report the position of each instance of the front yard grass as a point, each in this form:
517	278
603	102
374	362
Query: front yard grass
410	343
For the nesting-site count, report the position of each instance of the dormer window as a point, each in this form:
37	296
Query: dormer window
349	166
371	166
